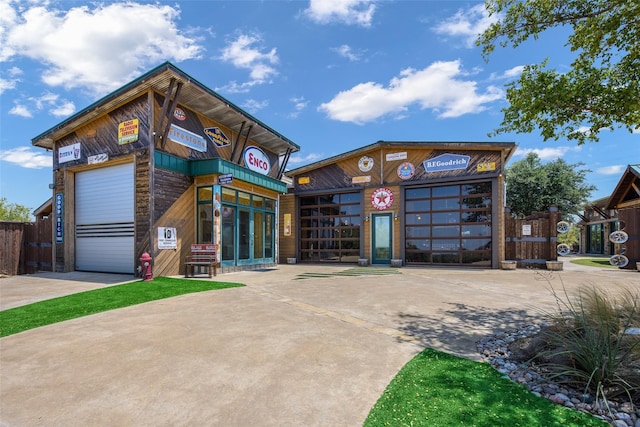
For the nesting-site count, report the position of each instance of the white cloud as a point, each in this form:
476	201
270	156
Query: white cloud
297	159
611	170
550	153
437	87
12	73
50	102
299	104
467	24
350	12
27	157
21	110
96	48
253	105
242	54
347	52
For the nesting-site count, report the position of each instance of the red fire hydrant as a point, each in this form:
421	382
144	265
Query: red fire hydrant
145	266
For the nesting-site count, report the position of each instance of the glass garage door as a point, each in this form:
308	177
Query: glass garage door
448	225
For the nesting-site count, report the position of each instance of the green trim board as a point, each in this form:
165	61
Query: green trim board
216	166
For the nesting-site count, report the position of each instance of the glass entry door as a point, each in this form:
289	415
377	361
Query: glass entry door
381	238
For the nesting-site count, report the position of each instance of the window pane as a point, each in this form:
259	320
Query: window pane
452	190
445	204
307	201
228	195
418	193
413	232
244	198
446	218
418	205
443	231
205	194
350	198
446	245
476	230
205	223
476	244
270	205
414	219
228	233
258	202
419	244
480	188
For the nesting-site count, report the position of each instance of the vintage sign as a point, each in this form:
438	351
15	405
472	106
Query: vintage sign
128	131
98	158
526	229
69	153
256	160
179	114
167	238
361	179
365	164
304	180
287	224
406	170
396	156
225	179
217	137
188	139
382	198
59	213
446	162
486	167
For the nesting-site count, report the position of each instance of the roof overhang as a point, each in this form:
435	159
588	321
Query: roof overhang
507	147
628	187
193	95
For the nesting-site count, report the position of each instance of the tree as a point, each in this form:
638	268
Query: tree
14	211
533	186
601	90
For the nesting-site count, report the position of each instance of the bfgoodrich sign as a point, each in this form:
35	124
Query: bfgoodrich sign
446	162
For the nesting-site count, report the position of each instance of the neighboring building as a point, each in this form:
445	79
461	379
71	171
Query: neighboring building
157	165
625	199
399	203
597	223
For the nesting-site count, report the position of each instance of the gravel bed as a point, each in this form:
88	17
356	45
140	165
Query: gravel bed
495	351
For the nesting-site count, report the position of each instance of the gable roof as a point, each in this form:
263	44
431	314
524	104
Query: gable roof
509	147
628	187
193	95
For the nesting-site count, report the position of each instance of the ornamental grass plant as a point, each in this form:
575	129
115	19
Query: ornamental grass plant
591	343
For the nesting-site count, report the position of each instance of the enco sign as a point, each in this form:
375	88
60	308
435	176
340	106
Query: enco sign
256	160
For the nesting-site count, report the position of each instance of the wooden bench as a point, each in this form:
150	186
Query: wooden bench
202	255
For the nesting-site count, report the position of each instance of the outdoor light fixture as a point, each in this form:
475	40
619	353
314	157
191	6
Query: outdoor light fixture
366	217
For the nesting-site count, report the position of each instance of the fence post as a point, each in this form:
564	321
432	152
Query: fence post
554	218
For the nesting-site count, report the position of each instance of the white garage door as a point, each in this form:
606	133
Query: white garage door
105	219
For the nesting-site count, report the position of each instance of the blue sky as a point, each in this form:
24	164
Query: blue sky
331	75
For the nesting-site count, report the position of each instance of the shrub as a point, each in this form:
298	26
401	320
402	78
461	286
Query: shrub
588	343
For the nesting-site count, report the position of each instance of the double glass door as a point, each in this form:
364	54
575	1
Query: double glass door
247	236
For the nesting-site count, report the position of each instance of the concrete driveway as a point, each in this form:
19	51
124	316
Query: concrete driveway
282	351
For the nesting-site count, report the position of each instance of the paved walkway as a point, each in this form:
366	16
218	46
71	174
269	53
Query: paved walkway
282	351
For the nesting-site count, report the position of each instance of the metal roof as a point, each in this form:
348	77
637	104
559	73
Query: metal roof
193	95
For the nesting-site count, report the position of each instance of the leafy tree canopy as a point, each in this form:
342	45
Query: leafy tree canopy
533	186
13	211
601	90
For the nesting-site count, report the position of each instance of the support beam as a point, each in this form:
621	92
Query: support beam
169	115
283	166
235	144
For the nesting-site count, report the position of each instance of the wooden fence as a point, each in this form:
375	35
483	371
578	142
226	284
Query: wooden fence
533	240
25	247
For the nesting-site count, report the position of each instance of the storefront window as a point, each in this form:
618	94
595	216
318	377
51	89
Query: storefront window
330	227
448	224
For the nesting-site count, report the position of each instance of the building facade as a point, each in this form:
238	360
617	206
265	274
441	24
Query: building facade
399	203
160	164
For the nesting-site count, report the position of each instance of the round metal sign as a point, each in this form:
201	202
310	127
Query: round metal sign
382	198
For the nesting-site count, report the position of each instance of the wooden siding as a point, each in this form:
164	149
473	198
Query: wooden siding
180	215
25	247
287	244
142	206
384	172
196	123
100	136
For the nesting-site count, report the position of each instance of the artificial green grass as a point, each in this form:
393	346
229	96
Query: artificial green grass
437	389
68	307
593	262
